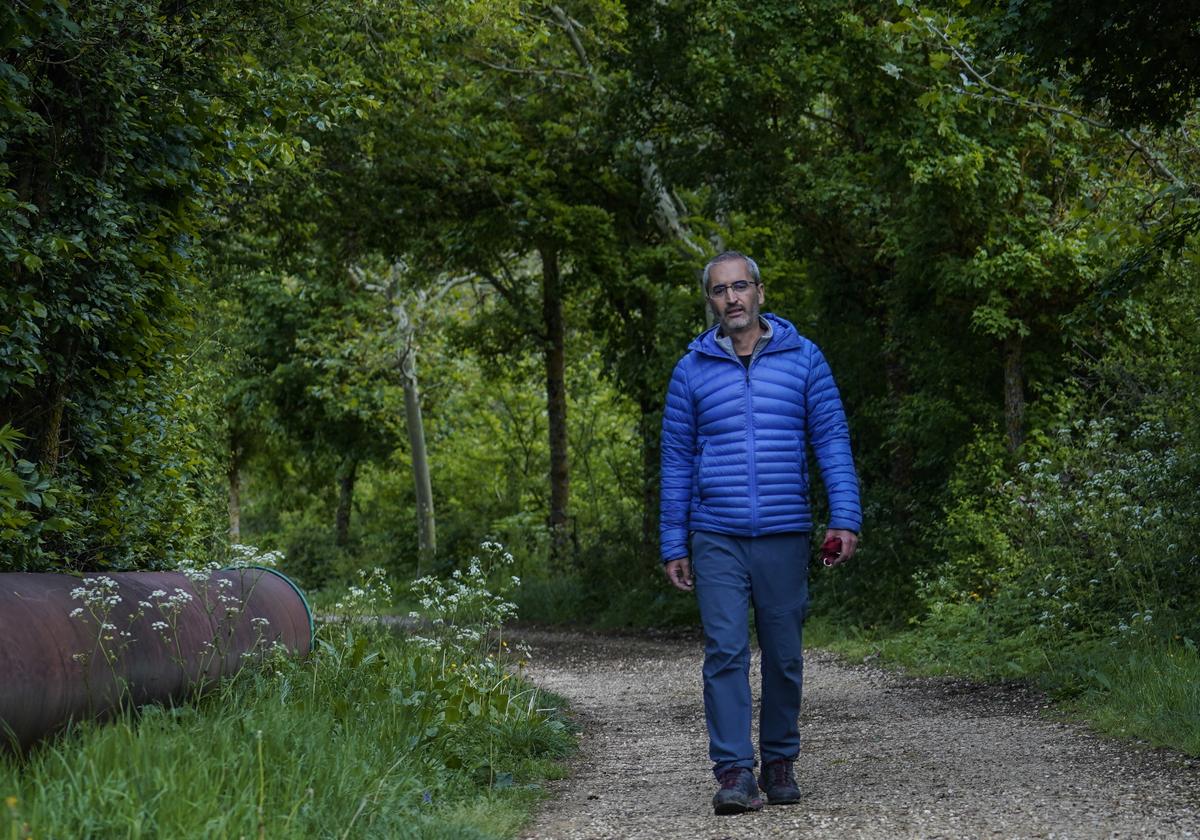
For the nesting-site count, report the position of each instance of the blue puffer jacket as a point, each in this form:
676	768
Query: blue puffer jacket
734	442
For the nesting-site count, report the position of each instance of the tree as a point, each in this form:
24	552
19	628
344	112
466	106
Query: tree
123	125
408	305
507	164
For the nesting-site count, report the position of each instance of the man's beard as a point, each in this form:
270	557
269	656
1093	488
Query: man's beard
740	321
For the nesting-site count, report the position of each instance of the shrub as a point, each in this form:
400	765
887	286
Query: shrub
1095	534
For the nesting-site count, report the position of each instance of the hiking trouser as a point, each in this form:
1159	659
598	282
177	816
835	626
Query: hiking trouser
770	572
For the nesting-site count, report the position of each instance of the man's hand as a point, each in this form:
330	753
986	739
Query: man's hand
679	572
849	544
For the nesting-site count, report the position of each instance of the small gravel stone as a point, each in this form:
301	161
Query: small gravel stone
884	755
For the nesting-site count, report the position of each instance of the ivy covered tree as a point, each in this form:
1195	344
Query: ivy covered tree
123	124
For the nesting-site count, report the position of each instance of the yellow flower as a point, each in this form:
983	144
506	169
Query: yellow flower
11	801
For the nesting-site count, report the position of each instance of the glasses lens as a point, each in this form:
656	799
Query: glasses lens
738	286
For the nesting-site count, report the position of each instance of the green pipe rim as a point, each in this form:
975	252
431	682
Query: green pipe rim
312	627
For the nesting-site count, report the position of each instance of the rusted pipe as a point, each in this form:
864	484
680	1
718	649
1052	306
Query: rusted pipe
76	648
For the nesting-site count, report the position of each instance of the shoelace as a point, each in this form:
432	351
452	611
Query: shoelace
781	774
731	778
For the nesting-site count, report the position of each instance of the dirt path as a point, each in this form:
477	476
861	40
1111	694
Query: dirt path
884	756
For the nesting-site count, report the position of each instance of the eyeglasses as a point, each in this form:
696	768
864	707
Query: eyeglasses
738	286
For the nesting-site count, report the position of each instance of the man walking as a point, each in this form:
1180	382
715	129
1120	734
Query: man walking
743	405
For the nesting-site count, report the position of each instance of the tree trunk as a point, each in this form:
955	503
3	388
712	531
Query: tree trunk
649	430
406	328
1014	392
52	407
50	443
556	407
346	476
426	527
234	474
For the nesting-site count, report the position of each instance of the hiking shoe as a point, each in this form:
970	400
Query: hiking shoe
738	792
779	783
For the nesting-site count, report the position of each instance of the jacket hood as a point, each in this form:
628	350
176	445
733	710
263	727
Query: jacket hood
785	337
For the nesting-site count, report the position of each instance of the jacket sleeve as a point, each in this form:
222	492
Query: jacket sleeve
678	451
830	438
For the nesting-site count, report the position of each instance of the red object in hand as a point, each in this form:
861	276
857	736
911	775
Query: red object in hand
831	550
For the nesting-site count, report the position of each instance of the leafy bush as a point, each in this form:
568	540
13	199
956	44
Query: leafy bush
1094	535
24	494
614	586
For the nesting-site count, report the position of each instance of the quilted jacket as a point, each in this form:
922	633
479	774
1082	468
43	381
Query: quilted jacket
734	442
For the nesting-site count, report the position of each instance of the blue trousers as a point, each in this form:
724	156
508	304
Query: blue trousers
731	573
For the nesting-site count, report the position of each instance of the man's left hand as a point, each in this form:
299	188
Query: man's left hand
849	544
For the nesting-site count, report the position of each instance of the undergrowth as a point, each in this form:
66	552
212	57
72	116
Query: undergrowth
1078	571
374	735
643	601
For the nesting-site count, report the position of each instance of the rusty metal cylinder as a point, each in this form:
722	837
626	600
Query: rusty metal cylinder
76	648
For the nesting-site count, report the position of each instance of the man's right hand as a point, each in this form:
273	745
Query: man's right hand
679	572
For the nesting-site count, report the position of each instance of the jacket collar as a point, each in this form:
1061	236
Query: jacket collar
768	332
783	337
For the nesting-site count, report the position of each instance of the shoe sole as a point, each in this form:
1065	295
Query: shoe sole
791	800
724	809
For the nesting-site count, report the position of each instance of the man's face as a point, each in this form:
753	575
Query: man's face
735	311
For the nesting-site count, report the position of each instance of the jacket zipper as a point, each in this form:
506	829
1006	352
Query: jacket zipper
750	453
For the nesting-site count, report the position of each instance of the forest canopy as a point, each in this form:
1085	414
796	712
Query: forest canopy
369	282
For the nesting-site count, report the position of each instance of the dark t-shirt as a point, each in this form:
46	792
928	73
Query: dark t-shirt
746	359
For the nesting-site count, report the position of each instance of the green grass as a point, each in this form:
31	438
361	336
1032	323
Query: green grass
1146	689
374	736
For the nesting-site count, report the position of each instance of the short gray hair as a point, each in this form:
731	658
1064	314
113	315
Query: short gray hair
726	256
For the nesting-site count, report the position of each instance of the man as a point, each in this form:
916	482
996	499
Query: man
742	406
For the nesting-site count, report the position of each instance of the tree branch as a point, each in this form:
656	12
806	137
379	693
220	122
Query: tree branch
665	209
532	71
1152	160
509	293
569	25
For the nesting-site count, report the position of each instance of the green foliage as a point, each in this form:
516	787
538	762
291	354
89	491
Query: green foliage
1141	62
22	492
1094	537
1093	534
1076	569
201	208
143	490
123	124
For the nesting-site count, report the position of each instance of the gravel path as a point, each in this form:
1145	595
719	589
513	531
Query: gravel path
884	756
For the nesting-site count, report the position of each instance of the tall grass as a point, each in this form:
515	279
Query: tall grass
1148	692
375	735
